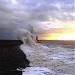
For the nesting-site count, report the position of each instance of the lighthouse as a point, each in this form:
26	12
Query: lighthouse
37	40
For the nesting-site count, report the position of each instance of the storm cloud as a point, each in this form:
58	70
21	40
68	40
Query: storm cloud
17	13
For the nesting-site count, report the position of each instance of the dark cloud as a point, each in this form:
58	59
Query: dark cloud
16	13
36	9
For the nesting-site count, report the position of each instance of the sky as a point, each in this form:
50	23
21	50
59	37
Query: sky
54	19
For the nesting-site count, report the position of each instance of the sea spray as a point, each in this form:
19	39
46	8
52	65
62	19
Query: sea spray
25	36
28	36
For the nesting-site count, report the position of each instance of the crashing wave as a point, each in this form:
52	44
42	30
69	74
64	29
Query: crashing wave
28	37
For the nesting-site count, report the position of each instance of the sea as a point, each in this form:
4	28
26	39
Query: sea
50	57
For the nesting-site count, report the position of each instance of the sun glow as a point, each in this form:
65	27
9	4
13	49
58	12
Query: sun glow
55	36
67	37
68	34
61	34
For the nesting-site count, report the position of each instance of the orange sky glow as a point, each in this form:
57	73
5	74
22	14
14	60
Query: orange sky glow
64	33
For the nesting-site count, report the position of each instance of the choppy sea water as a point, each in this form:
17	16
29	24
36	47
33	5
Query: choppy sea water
50	58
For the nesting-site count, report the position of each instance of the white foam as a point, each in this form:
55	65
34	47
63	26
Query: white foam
38	71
